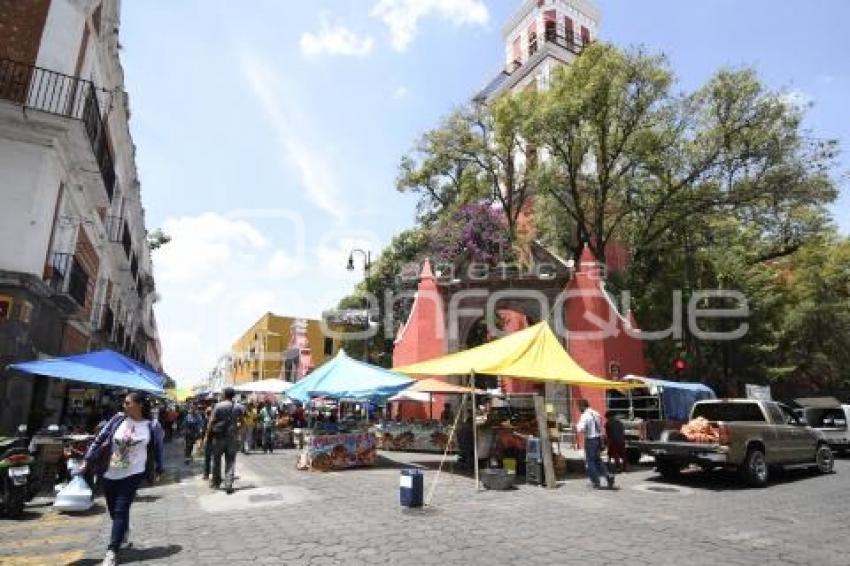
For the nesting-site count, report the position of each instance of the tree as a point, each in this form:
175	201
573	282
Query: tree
814	338
631	162
478	154
157	239
475	230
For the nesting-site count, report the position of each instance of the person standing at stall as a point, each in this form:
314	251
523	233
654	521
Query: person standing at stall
590	425
223	430
268	416
126	450
249	421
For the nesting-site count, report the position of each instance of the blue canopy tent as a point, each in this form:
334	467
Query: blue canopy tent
678	397
345	378
103	367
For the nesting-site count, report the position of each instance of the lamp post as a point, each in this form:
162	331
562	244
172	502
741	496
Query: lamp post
367	260
367	264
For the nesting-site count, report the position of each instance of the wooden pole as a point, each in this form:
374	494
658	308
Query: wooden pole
474	428
545	442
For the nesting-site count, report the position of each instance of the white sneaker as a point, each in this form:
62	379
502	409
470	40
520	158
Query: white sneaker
110	559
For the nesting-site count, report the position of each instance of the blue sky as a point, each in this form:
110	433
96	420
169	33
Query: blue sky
269	138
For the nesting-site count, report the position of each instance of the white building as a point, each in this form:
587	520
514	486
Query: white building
540	36
75	266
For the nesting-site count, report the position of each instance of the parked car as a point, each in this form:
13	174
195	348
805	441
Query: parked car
752	438
830	417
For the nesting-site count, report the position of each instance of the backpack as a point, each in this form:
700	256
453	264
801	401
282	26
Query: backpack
222	427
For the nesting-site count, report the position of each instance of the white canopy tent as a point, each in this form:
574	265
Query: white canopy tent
276	386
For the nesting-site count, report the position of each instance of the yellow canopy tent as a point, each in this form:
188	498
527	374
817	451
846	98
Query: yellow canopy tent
178	395
432	385
533	354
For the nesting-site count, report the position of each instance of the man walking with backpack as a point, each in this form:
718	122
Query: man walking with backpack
223	430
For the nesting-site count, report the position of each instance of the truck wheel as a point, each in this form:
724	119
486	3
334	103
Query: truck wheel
633	456
824	459
669	470
754	470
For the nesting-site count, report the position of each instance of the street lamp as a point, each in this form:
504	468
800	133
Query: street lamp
367	259
367	264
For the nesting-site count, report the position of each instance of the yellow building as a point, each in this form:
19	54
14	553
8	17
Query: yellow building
279	347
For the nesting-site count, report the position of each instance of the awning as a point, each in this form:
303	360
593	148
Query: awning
533	354
103	367
345	378
264	386
432	385
408	395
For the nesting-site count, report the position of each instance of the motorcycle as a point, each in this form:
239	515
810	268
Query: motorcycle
15	461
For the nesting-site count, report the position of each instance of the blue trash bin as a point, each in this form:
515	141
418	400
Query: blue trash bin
411	488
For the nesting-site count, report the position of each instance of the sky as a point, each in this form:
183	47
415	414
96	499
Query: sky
269	133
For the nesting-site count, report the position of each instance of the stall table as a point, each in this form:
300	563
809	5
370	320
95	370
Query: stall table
420	437
325	452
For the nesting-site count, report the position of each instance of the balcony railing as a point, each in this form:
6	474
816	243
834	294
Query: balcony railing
67	277
62	95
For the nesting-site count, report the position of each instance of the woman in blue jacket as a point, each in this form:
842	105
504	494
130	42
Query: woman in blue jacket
127	449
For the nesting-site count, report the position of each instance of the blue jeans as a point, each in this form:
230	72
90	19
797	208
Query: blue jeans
593	460
119	496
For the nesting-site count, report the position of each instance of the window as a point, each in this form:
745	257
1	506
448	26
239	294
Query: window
5	307
789	417
516	52
585	36
569	31
551	29
532	39
735	412
775	413
329	347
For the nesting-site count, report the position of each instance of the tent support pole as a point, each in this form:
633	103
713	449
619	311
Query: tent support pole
474	429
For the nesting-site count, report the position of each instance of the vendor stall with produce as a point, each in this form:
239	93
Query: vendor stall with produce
332	442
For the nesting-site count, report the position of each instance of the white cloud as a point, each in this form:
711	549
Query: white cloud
284	265
401	92
335	40
220	273
313	166
402	16
200	244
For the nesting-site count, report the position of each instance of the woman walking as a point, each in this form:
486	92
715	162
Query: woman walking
127	449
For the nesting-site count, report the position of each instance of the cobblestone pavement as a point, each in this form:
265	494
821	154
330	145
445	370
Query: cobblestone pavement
279	515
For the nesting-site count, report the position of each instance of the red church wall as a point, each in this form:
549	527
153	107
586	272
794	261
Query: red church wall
422	338
597	334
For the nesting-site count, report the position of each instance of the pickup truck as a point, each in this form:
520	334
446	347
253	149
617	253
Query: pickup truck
753	437
829	416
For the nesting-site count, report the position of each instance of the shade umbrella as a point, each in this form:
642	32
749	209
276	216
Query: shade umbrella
104	367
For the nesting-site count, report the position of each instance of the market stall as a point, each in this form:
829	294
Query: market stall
424	435
337	442
533	354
